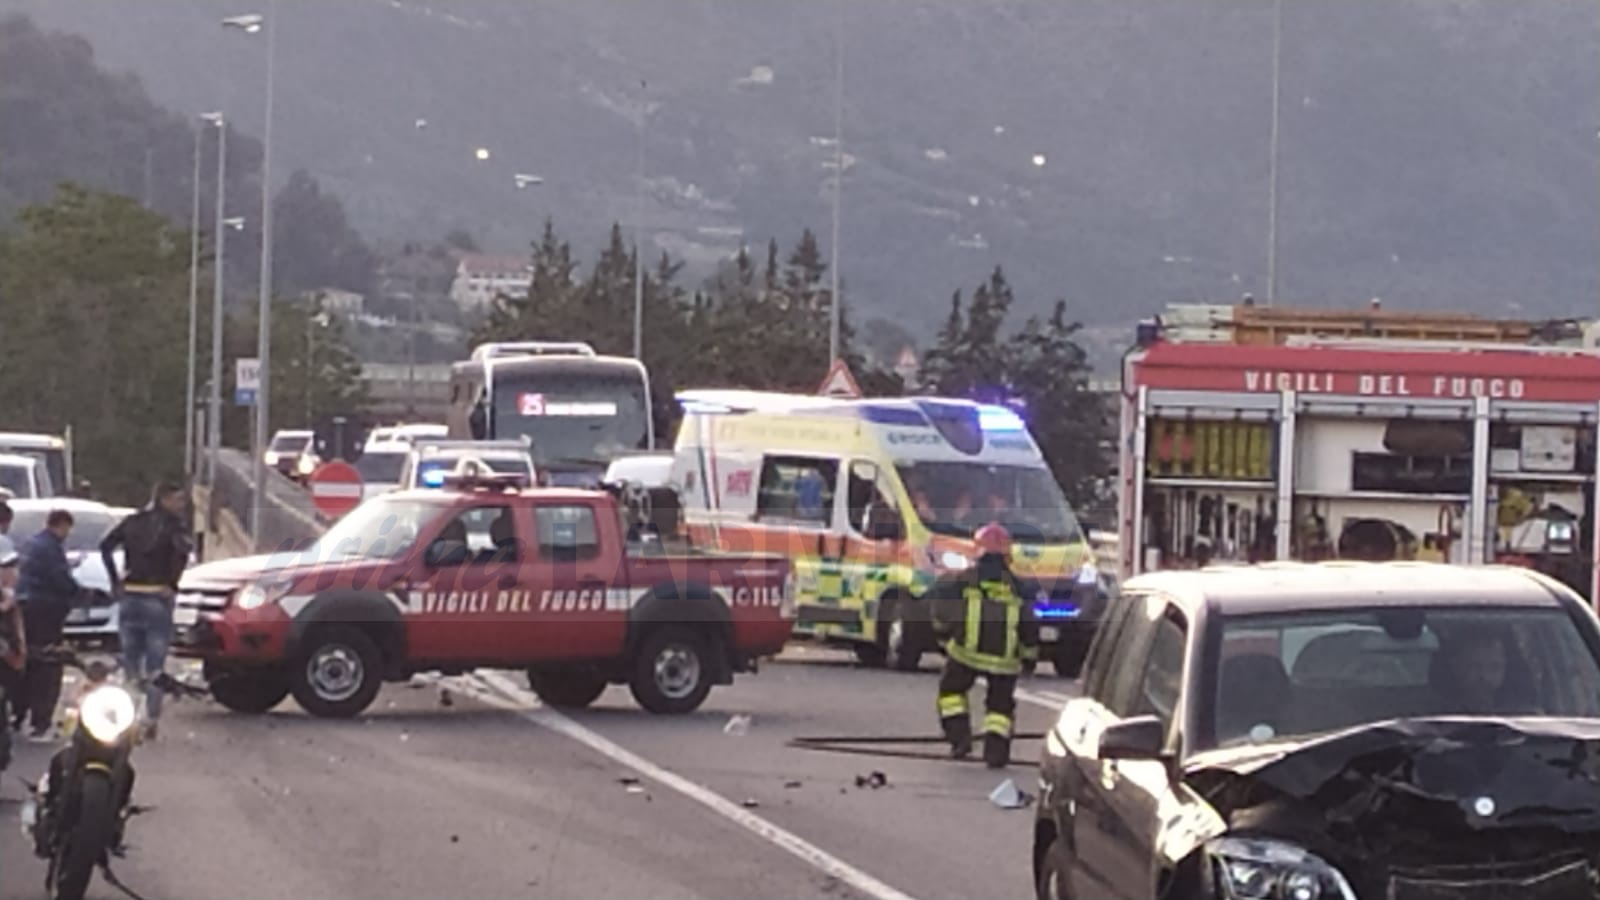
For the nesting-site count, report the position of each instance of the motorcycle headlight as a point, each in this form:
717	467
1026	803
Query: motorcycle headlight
107	713
1262	869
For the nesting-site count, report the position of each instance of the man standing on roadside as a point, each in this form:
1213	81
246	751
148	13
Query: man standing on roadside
46	591
156	545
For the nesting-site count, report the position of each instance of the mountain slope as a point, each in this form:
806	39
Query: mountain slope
1438	153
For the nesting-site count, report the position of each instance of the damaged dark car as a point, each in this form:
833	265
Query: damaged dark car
1372	731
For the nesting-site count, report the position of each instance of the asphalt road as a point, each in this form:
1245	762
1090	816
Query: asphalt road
493	796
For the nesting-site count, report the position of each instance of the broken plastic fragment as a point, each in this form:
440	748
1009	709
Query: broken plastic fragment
1009	796
875	780
738	726
792	785
750	803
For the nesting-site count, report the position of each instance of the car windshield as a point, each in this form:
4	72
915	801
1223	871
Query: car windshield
381	466
55	462
290	443
382	528
577	417
88	526
956	498
1296	674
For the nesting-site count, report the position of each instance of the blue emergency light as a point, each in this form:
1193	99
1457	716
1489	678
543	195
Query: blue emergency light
998	418
1055	613
433	477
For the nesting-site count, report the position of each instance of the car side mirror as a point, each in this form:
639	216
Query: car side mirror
1143	737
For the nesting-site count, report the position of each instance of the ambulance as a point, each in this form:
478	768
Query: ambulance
872	500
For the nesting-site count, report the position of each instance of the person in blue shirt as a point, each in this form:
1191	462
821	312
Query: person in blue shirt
46	591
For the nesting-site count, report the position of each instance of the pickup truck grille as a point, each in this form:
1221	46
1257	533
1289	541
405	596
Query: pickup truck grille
213	601
1572	881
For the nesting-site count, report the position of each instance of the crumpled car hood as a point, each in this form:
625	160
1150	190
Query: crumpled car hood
1493	772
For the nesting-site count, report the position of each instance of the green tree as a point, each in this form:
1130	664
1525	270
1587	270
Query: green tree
93	294
314	245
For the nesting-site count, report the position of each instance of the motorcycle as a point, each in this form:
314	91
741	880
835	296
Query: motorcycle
79	809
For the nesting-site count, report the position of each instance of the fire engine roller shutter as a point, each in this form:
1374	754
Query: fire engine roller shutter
1212	405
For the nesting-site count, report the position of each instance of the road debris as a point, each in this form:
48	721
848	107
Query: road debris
446	698
1009	796
738	726
751	803
793	785
874	781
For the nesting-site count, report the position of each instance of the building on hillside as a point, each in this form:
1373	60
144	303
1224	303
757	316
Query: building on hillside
480	278
338	302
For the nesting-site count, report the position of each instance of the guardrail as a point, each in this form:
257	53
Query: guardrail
288	518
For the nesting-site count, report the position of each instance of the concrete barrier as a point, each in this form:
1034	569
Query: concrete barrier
288	517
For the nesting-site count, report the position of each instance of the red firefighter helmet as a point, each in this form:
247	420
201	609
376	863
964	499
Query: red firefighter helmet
992	538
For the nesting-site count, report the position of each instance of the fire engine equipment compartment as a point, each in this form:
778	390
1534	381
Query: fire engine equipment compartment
1442	452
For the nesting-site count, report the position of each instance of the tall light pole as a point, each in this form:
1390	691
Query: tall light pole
638	248
252	24
194	306
834	310
1272	165
214	415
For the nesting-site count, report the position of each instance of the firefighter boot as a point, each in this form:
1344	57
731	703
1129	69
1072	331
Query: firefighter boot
958	731
996	751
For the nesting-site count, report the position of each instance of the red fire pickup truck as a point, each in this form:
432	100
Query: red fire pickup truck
481	574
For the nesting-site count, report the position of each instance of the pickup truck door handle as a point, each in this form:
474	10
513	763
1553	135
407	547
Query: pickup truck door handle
508	581
591	585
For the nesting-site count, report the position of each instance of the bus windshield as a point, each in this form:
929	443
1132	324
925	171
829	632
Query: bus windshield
957	498
572	416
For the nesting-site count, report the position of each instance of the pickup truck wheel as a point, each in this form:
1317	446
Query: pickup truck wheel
251	693
672	672
566	688
338	672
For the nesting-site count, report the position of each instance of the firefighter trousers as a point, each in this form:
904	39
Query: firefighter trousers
999	706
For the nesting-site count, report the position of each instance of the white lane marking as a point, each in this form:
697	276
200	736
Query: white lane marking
524	703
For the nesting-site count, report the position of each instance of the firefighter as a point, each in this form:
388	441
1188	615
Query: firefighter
985	616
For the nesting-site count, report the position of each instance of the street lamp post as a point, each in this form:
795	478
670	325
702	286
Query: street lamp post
834	310
638	248
1272	152
194	307
252	24
214	416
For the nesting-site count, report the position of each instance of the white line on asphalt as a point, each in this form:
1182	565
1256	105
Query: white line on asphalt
523	702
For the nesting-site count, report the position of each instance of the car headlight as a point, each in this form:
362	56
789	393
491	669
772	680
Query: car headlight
107	713
306	465
257	595
1264	869
271	458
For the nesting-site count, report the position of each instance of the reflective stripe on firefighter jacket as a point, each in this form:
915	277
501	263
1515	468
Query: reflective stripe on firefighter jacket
991	627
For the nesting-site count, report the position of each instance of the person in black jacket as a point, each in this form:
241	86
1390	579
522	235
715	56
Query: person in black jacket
156	545
46	592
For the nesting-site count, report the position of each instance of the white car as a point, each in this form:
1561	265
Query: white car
293	453
24	477
649	470
418	431
381	466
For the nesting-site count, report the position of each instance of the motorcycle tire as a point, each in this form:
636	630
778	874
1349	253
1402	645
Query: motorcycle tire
86	844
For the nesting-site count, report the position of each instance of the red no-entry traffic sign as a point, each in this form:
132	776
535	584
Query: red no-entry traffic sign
335	488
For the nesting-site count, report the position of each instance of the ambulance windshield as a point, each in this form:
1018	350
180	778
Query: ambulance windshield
955	498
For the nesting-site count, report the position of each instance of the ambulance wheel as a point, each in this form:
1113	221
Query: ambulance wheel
672	673
248	692
901	634
567	688
337	673
1068	655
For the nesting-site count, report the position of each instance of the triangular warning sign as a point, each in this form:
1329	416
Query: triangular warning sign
840	383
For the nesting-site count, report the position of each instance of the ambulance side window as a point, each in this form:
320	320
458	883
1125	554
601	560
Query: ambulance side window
869	506
797	488
566	533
